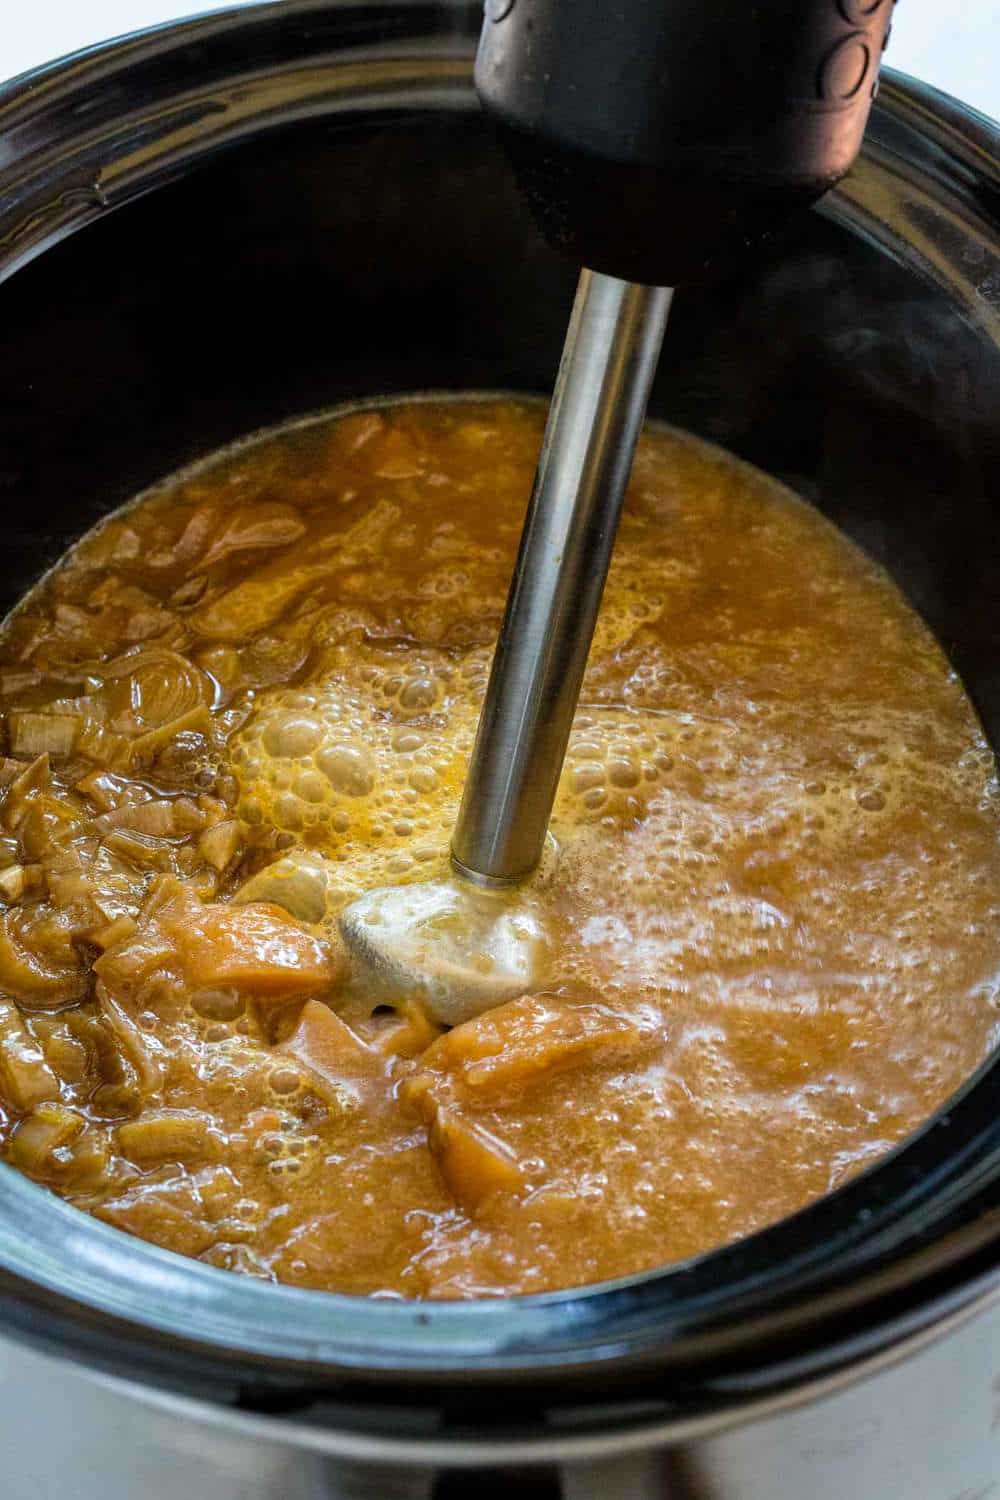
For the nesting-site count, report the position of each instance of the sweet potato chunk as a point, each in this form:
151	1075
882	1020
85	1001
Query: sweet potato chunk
474	1164
472	1161
507	1049
256	948
337	1060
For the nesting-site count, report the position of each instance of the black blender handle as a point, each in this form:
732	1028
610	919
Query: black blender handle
655	138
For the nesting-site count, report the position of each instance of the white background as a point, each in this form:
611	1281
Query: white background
954	44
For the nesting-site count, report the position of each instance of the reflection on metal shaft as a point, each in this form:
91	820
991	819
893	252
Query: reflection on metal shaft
608	365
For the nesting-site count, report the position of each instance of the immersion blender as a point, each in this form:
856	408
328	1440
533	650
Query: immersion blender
656	141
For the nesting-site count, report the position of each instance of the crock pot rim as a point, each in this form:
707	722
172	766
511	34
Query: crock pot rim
918	1225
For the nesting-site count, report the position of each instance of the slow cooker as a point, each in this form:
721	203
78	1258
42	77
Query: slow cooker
217	225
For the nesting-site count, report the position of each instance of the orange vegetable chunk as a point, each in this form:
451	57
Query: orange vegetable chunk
472	1161
258	948
511	1047
474	1164
336	1058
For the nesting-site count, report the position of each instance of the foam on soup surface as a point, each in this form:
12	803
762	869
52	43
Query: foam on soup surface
771	889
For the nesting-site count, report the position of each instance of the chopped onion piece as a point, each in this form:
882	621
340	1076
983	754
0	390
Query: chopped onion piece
12	883
34	733
169	1135
37	1138
25	1077
220	844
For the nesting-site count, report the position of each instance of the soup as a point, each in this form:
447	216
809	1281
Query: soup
770	893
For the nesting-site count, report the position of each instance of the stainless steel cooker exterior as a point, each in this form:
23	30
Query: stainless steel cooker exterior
923	1426
219	224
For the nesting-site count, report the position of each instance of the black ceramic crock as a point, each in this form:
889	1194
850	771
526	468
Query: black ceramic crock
218	225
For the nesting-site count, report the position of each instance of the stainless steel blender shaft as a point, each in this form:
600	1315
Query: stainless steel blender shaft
607	368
